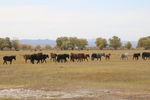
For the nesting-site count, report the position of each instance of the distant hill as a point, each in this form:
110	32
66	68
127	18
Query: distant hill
43	42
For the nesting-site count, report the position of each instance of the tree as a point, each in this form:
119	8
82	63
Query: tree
128	45
26	47
2	43
115	42
8	42
81	43
101	43
16	44
37	47
71	43
144	42
47	47
62	42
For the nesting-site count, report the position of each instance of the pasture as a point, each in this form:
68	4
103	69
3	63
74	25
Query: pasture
126	76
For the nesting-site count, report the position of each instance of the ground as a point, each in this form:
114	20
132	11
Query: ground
90	80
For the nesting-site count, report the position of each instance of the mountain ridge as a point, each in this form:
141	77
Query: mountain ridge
42	42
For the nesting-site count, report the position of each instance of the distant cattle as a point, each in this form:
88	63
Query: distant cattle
62	57
146	55
27	57
53	56
73	57
44	57
136	56
79	57
9	59
39	58
124	56
107	56
97	56
86	56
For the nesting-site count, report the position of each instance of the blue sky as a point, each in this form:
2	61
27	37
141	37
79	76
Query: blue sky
49	19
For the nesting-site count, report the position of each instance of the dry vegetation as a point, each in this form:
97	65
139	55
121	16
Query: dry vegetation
128	76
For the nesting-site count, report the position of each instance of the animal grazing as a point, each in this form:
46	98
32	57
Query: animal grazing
27	57
145	55
9	59
39	58
136	56
97	56
53	56
62	57
107	56
124	56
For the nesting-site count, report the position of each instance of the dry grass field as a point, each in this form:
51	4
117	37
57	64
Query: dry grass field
123	79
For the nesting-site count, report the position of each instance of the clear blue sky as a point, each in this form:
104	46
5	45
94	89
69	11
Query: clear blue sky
49	19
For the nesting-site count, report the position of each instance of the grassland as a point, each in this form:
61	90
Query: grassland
126	75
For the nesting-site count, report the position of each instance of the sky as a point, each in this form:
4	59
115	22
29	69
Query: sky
50	19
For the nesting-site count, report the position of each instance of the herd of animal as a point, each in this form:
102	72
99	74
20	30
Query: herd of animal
73	57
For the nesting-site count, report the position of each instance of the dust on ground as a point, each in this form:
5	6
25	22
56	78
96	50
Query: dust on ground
80	94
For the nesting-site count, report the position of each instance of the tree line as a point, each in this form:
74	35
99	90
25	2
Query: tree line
65	43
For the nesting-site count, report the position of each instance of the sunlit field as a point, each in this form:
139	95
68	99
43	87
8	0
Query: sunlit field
126	75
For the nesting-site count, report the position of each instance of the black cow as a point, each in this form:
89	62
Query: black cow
136	56
39	58
146	55
97	56
44	57
8	58
62	57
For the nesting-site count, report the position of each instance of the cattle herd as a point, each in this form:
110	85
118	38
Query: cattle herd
73	57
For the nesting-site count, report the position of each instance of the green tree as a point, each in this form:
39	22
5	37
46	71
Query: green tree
16	44
62	42
47	47
82	43
128	45
8	43
144	42
115	42
70	43
73	42
101	43
2	43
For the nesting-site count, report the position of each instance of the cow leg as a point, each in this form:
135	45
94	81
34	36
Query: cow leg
45	60
4	62
100	58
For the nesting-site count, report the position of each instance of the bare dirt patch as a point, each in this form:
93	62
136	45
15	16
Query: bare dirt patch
42	94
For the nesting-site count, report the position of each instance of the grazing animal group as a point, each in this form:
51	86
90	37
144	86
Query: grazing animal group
74	57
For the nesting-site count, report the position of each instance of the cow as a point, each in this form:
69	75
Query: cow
107	56
136	56
97	56
73	57
44	57
146	55
124	56
8	58
81	56
86	56
27	57
53	57
62	57
39	58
